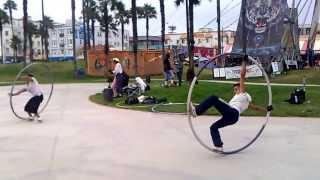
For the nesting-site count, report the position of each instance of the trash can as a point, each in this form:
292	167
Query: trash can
108	94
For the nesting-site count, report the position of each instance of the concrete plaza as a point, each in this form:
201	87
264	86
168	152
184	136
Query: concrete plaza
80	140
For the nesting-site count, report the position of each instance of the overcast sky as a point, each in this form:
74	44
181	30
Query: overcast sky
60	11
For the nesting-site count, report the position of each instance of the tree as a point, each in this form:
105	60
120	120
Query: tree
92	15
87	22
25	29
46	24
123	18
10	6
147	12
106	19
135	34
190	28
163	27
73	19
32	31
15	45
85	55
4	18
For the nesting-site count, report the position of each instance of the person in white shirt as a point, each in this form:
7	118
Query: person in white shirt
33	104
231	111
117	80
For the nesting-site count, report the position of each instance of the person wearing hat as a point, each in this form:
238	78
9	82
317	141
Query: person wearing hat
33	104
117	80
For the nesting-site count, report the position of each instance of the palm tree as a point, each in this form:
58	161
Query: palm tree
15	45
73	11
46	24
190	29
25	29
135	34
163	27
10	6
42	29
85	55
147	12
92	15
87	22
106	19
32	31
123	18
4	18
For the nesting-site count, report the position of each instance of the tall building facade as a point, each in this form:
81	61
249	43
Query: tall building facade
60	41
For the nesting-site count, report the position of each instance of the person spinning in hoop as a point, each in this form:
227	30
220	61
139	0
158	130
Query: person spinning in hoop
33	104
231	111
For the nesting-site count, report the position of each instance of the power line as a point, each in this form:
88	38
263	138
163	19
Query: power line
224	9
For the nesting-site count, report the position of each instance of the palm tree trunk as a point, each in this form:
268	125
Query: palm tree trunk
84	33
2	44
88	27
147	31
93	34
135	35
25	22
43	29
73	6
122	36
191	5
30	47
106	37
46	43
163	28
11	21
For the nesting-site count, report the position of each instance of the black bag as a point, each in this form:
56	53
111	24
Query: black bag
125	79
131	100
298	96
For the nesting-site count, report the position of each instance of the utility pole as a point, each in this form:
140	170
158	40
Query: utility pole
219	26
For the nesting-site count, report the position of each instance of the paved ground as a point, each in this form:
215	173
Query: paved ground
83	141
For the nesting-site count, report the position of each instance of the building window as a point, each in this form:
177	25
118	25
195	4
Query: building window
199	41
207	40
99	34
178	41
38	43
7	50
70	42
6	33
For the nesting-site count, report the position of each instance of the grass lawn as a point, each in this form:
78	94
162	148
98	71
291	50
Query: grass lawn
63	72
179	95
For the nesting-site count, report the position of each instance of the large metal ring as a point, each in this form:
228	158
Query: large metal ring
25	69
267	118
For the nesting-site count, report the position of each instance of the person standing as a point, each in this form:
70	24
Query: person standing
167	71
117	78
179	68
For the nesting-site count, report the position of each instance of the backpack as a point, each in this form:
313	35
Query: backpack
298	96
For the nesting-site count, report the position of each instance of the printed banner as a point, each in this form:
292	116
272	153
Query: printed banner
264	26
234	72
